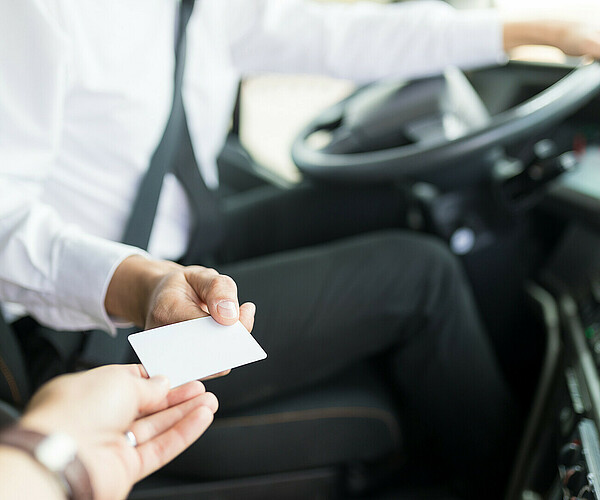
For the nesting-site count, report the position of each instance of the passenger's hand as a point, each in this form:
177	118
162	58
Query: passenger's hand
156	293
98	407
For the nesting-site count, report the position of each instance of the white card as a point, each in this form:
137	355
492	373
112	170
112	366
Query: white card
195	349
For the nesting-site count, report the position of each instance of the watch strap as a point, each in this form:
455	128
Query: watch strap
74	475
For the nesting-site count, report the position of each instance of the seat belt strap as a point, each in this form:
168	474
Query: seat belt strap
139	226
99	347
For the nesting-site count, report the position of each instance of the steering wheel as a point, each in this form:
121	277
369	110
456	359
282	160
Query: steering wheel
389	131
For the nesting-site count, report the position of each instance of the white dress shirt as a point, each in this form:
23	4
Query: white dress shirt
85	92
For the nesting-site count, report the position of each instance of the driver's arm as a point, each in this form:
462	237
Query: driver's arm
55	270
65	278
363	41
366	41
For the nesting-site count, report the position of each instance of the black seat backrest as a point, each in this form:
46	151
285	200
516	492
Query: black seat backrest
14	383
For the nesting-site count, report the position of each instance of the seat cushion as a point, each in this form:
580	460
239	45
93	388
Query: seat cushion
346	420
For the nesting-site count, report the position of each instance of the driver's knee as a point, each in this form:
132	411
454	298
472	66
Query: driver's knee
423	258
417	273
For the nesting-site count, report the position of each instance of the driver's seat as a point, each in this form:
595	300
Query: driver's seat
298	446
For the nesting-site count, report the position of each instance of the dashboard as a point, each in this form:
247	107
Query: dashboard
559	455
562	458
577	193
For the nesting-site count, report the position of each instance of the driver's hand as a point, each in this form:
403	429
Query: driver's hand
194	292
578	39
156	293
574	38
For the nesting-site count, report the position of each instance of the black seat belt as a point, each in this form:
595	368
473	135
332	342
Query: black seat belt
138	229
99	347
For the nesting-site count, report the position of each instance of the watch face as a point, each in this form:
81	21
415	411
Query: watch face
56	451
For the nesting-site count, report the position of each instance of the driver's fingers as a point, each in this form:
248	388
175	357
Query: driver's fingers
594	45
247	313
144	395
217	291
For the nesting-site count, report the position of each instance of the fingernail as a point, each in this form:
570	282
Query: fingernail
161	380
227	309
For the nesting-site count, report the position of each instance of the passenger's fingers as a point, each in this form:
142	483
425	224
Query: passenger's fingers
185	392
177	396
135	369
142	371
247	313
217	291
145	395
151	393
166	446
148	427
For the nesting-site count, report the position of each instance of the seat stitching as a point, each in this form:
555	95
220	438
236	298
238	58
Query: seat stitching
318	413
10	379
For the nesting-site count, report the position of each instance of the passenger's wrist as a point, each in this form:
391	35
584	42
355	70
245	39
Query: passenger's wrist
26	478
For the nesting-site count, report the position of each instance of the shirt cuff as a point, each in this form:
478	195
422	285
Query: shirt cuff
86	265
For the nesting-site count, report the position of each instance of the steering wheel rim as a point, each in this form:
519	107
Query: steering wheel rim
544	109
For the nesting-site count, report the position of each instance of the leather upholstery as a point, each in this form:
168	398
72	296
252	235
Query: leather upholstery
351	419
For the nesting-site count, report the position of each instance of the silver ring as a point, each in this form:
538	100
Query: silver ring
131	440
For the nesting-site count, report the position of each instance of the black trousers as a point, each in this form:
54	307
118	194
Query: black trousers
336	283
